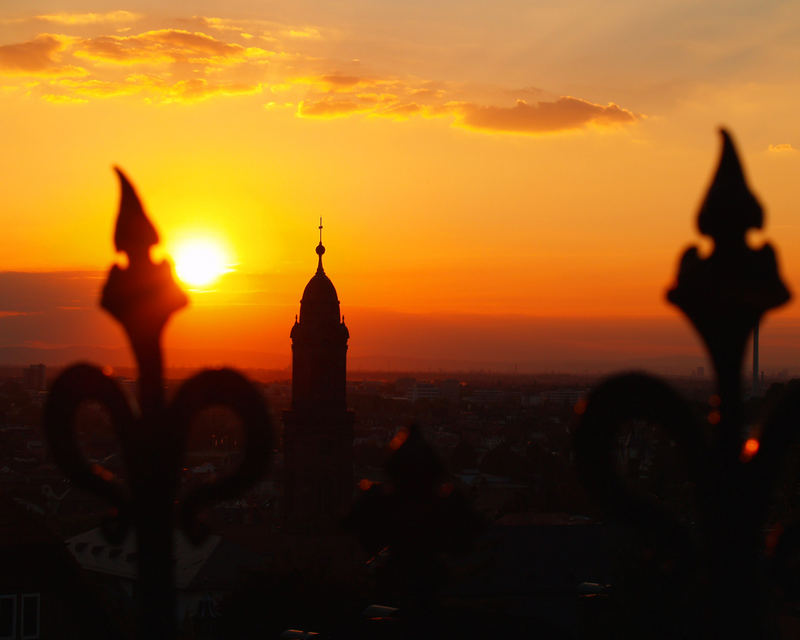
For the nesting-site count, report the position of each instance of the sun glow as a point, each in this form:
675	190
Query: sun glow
200	261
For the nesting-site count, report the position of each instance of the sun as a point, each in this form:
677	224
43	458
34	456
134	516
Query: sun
200	261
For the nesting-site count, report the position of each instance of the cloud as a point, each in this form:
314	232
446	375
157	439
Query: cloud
209	57
154	87
427	93
362	83
38	57
198	89
303	32
400	111
89	18
331	108
166	46
564	114
197	66
384	105
781	148
58	98
345	96
50	309
335	95
339	83
218	24
250	27
93	88
23	293
342	81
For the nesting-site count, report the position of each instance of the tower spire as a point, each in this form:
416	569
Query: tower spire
320	248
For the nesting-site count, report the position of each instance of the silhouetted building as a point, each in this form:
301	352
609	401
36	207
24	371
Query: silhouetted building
42	594
34	377
318	433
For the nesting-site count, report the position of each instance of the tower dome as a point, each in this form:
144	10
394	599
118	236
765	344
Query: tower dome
320	303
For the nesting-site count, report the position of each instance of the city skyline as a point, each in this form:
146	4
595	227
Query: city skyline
460	202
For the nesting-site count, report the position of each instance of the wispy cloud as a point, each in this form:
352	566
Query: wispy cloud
781	148
89	18
165	46
164	65
401	111
198	89
330	108
154	87
212	57
566	113
38	57
83	88
563	114
56	98
265	29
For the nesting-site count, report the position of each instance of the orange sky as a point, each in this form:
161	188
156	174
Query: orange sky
468	158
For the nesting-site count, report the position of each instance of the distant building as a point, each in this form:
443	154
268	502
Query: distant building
318	430
34	377
204	573
423	391
450	389
404	386
42	594
570	396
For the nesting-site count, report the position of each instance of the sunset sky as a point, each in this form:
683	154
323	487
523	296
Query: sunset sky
505	182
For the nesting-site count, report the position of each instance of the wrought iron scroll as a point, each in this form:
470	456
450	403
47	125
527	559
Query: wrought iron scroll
142	297
734	469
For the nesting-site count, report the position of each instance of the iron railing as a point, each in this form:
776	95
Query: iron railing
733	464
142	297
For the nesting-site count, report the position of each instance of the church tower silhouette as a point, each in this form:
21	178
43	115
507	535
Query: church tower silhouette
318	430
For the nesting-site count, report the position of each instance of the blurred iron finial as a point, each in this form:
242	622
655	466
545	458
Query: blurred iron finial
736	461
142	296
729	208
414	465
134	232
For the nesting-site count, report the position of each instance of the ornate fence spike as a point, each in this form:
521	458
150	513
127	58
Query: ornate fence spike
729	208
142	297
734	472
725	294
411	521
133	233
